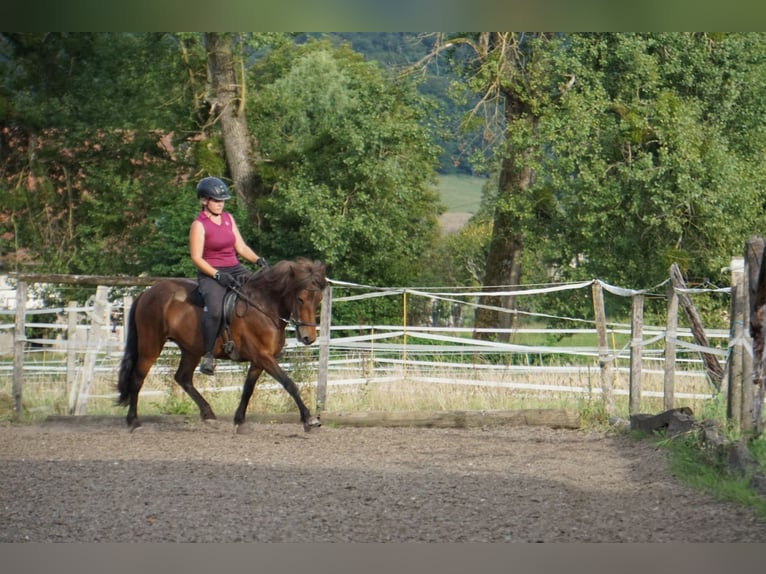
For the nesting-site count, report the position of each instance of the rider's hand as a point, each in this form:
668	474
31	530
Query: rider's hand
226	279
262	263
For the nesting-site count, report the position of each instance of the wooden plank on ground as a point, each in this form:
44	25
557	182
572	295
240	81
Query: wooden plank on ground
553	418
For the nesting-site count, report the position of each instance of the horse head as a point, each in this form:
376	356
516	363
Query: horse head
296	287
310	281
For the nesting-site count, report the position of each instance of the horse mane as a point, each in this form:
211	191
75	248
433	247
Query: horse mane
285	278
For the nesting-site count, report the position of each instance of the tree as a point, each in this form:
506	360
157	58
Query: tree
510	72
652	157
227	106
348	165
88	137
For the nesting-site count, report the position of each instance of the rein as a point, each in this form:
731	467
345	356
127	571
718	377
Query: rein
289	321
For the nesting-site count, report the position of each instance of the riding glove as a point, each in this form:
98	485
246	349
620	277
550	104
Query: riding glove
261	262
226	279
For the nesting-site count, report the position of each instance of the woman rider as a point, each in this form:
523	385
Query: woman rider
214	244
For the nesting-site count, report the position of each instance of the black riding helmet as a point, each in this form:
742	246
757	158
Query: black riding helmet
212	188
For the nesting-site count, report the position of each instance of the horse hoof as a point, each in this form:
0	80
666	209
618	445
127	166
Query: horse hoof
313	422
243	428
211	423
134	426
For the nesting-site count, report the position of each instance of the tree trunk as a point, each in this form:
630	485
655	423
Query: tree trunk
227	103
505	250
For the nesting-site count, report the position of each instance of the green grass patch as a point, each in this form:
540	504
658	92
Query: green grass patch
693	465
461	193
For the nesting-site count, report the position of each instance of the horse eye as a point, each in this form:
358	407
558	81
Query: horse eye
300	300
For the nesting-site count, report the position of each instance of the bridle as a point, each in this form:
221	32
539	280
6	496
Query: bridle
291	320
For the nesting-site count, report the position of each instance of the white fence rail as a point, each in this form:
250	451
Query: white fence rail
86	340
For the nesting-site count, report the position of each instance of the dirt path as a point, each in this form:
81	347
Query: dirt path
202	483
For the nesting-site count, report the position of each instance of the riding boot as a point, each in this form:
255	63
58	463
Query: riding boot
207	366
209	334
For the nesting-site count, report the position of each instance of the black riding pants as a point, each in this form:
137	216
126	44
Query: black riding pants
213	293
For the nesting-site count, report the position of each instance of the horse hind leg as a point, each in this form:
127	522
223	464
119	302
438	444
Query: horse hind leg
184	377
132	417
135	382
131	378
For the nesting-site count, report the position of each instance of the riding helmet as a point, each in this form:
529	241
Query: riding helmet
212	188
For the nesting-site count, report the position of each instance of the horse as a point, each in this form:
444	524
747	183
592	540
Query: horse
269	300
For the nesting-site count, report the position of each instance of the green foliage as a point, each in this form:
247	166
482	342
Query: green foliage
457	139
652	155
643	162
692	464
86	162
350	168
174	404
757	448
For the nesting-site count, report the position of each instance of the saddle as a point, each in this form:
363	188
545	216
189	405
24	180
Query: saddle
229	302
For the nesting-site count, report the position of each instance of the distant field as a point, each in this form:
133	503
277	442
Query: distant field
462	196
461	193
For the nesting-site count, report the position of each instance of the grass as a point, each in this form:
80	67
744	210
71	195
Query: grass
461	193
692	464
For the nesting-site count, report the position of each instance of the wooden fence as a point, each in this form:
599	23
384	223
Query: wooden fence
372	341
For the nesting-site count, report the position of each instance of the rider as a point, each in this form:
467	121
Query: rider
214	243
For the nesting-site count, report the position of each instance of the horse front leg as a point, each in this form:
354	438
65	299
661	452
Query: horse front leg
184	377
308	421
247	392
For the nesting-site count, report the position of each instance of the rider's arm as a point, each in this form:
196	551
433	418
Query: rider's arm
242	249
196	244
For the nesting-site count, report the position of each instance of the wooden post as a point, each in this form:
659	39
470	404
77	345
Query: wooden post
671	332
71	354
736	334
712	366
404	337
636	346
753	374
604	360
749	266
95	341
19	343
325	324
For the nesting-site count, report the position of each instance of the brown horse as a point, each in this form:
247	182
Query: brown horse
288	292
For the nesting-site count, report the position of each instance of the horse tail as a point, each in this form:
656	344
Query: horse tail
130	354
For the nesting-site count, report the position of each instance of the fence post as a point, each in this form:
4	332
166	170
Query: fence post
736	334
95	341
636	346
325	324
19	342
671	332
404	335
604	360
752	358
713	368
71	354
753	362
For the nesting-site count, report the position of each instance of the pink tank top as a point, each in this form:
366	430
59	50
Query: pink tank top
219	241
